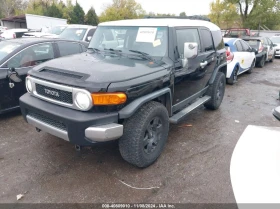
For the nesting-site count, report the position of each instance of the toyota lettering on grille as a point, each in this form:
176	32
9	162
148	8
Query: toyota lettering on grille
50	92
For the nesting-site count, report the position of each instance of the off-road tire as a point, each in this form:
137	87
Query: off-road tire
251	68
216	91
132	143
233	78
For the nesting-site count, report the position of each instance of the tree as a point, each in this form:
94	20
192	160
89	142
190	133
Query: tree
91	18
11	7
183	14
53	11
77	15
122	9
255	12
224	14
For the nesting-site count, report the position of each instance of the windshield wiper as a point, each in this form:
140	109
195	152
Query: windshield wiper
145	55
116	51
94	49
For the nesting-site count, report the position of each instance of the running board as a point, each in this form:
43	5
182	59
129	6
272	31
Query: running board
180	115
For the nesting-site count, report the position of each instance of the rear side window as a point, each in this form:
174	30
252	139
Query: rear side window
238	46
207	40
68	48
218	39
253	43
186	35
245	46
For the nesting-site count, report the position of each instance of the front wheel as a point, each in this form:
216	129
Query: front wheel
145	135
273	57
216	91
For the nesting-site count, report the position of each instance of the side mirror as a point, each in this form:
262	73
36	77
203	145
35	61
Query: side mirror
89	38
274	45
13	75
276	113
190	52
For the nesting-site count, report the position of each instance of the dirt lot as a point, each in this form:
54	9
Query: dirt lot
193	168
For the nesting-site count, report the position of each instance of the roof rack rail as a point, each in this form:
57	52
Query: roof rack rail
194	17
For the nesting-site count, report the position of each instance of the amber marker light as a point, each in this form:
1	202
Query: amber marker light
108	98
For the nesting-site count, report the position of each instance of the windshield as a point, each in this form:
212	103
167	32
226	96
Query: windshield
6	48
57	30
76	34
253	43
130	39
275	40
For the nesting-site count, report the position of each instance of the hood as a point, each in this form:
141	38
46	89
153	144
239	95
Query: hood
96	69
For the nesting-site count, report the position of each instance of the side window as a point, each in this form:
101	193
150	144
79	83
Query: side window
238	46
32	56
68	48
218	39
90	34
207	40
187	35
265	41
245	46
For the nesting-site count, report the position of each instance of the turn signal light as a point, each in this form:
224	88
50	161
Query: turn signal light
108	98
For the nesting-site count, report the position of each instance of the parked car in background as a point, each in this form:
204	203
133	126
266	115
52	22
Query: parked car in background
22	54
240	58
50	33
2	29
78	32
264	47
276	43
13	33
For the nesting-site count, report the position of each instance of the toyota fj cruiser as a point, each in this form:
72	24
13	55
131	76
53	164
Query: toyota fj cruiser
136	77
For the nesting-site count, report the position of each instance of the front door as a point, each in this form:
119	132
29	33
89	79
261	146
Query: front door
195	76
22	62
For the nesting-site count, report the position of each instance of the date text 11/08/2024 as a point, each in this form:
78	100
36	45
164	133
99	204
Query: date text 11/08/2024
138	206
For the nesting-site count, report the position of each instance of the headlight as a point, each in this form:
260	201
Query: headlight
83	100
28	85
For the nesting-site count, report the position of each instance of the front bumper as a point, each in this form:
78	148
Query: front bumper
80	128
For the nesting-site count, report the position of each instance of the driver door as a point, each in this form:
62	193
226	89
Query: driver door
22	62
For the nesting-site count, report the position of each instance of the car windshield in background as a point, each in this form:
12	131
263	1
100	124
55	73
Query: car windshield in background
76	34
253	43
6	48
57	30
133	40
275	40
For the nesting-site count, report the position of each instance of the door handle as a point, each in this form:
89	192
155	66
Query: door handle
203	64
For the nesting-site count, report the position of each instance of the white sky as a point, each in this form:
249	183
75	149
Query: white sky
191	7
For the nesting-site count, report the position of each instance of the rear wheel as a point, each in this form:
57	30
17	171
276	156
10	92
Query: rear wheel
216	91
262	62
145	135
233	78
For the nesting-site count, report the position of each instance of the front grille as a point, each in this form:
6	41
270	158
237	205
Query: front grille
48	120
55	94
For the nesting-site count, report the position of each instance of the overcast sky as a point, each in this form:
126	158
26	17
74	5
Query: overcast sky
191	7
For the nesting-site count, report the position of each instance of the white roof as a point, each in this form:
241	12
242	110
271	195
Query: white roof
169	22
80	26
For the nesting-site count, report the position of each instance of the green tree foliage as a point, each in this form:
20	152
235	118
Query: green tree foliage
91	18
122	9
224	14
255	12
77	15
182	14
53	11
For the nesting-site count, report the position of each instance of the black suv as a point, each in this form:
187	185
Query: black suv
129	87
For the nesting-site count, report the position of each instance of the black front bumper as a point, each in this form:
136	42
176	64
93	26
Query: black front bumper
74	122
259	56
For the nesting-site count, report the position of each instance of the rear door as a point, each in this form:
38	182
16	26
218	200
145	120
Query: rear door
240	56
195	76
270	48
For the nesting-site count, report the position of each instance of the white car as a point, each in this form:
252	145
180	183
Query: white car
78	32
276	41
50	32
240	58
13	33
